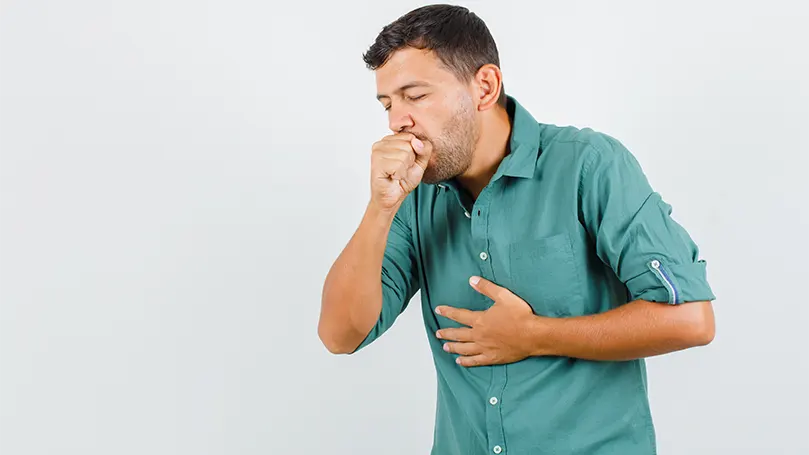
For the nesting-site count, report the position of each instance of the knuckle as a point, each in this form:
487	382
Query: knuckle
404	150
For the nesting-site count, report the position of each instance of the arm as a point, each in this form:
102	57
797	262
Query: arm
635	330
509	331
649	252
352	292
374	277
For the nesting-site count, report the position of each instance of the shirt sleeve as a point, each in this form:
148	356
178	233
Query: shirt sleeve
399	272
633	230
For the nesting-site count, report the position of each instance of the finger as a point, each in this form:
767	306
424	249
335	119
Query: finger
418	146
393	148
488	288
398	156
395	168
455	334
399	137
412	143
397	140
401	172
416	152
474	360
422	153
469	349
462	315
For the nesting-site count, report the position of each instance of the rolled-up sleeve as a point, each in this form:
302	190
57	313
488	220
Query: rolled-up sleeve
399	272
634	233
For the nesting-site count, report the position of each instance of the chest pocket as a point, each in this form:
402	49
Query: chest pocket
544	273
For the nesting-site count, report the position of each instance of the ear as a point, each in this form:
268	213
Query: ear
488	83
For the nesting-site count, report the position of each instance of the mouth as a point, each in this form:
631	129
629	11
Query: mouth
419	136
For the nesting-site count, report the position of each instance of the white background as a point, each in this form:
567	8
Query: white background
177	177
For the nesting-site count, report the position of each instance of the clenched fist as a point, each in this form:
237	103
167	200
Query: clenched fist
397	166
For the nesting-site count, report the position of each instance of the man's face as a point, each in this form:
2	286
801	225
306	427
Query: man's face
424	98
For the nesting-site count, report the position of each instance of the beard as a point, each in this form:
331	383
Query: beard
452	150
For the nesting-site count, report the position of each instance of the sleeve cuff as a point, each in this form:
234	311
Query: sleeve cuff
671	283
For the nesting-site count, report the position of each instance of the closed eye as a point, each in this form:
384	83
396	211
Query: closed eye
408	98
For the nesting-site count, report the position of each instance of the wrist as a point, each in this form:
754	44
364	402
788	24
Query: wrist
380	215
382	210
540	329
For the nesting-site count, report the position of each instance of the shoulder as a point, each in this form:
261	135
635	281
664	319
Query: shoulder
586	149
579	141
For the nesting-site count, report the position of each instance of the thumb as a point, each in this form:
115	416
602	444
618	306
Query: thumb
488	288
422	157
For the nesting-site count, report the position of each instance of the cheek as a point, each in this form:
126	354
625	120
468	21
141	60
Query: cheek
431	148
430	126
433	136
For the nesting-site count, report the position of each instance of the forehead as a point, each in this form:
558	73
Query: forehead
409	64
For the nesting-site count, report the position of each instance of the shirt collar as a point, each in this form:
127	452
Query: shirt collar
524	145
524	142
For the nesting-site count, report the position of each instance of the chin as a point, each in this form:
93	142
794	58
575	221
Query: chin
431	179
435	179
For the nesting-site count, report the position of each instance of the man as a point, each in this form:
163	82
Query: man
548	267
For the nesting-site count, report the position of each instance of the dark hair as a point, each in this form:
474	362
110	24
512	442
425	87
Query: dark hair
459	38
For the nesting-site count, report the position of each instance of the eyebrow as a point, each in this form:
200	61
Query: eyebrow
404	87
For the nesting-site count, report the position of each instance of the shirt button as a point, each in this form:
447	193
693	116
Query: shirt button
467	214
493	401
497	449
483	255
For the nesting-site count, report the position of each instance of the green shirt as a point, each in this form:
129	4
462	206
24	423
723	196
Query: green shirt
571	225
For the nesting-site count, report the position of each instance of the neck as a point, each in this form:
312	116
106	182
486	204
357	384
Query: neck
490	150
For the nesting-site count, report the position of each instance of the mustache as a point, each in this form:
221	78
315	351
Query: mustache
420	136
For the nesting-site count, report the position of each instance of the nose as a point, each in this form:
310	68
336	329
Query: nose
399	119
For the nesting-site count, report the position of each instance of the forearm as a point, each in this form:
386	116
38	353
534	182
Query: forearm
635	330
352	292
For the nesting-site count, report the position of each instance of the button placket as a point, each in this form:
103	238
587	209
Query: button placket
483	238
